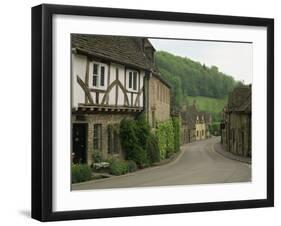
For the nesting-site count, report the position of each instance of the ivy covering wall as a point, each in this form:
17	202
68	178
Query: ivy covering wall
144	147
168	136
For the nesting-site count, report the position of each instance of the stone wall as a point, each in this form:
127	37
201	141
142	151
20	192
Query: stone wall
239	134
188	134
200	131
236	134
159	101
105	119
184	133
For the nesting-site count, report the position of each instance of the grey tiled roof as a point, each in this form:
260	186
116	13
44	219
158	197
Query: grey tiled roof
207	116
188	118
119	49
190	115
240	99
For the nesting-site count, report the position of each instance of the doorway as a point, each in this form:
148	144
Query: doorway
79	144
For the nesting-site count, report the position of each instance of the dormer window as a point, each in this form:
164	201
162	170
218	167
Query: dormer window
132	81
98	80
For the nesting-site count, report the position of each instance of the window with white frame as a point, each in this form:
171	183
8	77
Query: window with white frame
132	80
98	74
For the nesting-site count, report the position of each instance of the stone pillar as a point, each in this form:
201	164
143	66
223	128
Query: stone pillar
90	144
104	140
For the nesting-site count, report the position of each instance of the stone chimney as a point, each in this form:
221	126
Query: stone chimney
149	50
140	43
194	102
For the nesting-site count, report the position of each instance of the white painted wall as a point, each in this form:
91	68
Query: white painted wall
121	97
79	64
78	69
121	78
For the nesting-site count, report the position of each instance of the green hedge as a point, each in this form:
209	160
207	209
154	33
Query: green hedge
80	173
134	135
120	167
153	151
132	166
133	142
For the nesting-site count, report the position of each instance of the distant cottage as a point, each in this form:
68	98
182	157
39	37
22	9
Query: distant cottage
195	124
113	78
236	127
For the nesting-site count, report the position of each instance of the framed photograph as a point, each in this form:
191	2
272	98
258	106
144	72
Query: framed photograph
145	112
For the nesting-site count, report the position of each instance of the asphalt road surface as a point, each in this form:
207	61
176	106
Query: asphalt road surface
198	163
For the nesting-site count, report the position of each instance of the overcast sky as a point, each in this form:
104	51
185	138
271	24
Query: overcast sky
234	59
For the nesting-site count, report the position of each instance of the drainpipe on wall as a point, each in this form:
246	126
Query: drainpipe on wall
146	94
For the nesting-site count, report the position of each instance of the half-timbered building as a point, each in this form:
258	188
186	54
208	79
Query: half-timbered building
113	78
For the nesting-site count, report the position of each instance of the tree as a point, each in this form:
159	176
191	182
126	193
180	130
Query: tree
190	78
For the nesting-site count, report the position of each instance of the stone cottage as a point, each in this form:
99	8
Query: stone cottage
113	78
195	124
236	126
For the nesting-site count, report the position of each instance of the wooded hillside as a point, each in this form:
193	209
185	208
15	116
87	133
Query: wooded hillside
190	78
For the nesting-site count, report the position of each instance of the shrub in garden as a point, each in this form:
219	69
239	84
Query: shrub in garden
169	152
132	166
142	129
80	173
138	143
128	136
215	129
153	152
133	142
97	156
118	167
139	156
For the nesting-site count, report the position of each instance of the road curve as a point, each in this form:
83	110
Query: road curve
198	163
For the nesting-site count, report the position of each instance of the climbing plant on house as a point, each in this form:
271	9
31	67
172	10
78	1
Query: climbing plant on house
144	147
137	141
165	136
153	152
130	142
168	136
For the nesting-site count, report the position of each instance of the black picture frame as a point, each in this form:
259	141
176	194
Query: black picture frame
42	111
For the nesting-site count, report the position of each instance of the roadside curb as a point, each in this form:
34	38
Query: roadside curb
172	160
219	149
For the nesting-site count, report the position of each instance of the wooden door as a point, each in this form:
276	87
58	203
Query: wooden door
79	144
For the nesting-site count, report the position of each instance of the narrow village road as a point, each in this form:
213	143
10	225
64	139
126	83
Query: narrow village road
198	163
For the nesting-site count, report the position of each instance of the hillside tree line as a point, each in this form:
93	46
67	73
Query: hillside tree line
190	78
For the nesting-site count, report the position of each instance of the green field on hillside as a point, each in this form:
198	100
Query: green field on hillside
189	78
209	104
